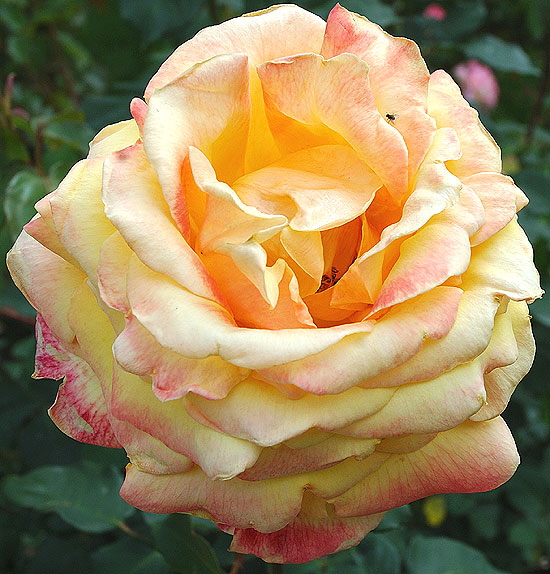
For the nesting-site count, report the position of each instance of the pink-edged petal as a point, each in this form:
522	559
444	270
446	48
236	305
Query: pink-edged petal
398	336
501	382
264	35
260	413
47	281
314	533
501	200
207	107
393	63
336	93
173	375
135	205
446	105
247	304
438	251
317	188
138	109
265	505
79	409
473	457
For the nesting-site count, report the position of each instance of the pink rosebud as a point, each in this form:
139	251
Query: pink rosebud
435	11
478	83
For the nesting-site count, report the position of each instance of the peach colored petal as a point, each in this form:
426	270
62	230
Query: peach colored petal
393	63
501	382
336	93
197	328
135	205
398	336
47	281
79	409
314	533
248	306
258	412
316	188
264	35
446	105
473	457
208	107
501	200
173	375
438	251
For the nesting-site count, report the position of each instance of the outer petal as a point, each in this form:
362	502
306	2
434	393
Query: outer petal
79	409
264	35
472	457
313	533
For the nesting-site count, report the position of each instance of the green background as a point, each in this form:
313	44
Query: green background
69	68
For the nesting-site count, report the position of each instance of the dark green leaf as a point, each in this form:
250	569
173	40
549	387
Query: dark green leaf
501	55
128	556
23	191
381	554
84	496
445	556
184	550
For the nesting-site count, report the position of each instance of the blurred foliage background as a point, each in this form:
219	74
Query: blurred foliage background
69	68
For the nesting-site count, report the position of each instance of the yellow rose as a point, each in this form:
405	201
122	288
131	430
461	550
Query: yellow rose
293	287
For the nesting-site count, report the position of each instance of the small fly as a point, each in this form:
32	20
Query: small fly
390	118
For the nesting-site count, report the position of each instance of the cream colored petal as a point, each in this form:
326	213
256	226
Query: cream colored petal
265	35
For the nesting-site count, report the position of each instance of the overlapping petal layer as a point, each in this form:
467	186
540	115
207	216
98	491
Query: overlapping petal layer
293	287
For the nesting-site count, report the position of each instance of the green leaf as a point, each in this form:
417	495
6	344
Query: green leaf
184	550
128	556
381	554
441	555
24	190
501	55
69	132
85	496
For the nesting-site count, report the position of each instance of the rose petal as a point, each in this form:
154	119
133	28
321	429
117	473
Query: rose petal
337	93
473	457
264	35
313	533
393	63
446	105
79	409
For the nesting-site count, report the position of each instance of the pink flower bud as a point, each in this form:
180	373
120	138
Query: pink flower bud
435	11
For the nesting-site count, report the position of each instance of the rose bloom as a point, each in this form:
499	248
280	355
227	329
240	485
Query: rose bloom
478	82
293	287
